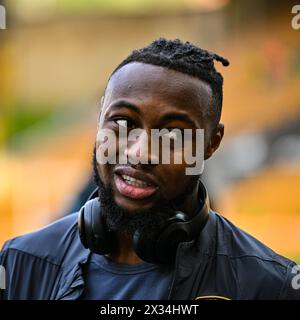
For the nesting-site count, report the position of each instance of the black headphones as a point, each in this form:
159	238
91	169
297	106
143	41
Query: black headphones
160	248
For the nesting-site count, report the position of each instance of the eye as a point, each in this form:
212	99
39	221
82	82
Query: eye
124	123
121	122
174	133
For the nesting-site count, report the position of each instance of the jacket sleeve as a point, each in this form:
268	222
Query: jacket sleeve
291	287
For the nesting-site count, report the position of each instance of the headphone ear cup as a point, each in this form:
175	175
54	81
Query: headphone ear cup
82	227
168	241
92	230
85	226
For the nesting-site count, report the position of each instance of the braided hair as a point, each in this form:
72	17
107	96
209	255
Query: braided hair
186	58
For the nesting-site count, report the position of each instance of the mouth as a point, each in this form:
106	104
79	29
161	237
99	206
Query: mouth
134	184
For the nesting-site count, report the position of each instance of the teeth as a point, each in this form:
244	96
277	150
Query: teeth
134	182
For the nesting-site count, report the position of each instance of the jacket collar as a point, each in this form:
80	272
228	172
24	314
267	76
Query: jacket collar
72	279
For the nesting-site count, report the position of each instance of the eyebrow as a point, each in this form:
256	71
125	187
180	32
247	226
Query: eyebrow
125	104
177	116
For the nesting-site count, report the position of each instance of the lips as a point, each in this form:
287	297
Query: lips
134	184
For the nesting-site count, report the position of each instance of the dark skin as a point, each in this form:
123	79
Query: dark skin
149	97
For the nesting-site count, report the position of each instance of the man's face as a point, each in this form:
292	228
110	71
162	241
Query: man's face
151	97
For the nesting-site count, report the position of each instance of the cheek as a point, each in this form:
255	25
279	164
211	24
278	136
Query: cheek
176	181
106	146
105	173
106	154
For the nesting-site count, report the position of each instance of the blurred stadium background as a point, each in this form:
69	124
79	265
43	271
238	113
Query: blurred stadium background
55	58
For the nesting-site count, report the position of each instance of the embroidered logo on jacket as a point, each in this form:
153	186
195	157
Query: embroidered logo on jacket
212	298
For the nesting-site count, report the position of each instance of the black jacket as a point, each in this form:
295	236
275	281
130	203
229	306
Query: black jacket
225	262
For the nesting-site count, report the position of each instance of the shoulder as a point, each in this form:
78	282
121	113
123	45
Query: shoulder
49	243
41	264
258	269
237	243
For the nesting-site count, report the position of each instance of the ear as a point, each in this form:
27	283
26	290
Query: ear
214	141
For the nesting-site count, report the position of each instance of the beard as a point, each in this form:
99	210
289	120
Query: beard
126	222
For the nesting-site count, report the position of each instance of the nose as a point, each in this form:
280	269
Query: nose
139	150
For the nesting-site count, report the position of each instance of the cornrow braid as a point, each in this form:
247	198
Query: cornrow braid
186	58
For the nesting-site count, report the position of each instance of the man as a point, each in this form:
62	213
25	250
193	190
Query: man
170	85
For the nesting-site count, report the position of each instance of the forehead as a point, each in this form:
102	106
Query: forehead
159	86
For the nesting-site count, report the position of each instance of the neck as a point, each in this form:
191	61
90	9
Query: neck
124	252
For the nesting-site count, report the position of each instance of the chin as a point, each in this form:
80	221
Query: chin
134	205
